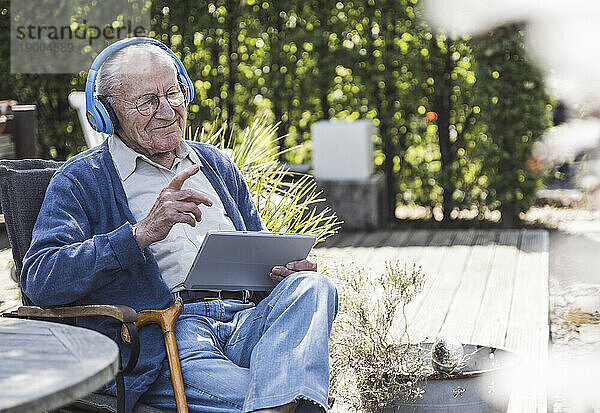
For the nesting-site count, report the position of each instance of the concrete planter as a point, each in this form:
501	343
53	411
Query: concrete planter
481	385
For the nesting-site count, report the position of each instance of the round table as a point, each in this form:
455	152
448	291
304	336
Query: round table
46	365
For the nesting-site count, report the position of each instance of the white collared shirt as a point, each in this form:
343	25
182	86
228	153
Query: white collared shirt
143	180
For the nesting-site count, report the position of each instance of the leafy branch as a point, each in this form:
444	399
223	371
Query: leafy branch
286	201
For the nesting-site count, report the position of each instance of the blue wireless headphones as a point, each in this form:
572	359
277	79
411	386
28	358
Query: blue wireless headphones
99	113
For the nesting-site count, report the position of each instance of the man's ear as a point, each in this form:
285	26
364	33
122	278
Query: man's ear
111	113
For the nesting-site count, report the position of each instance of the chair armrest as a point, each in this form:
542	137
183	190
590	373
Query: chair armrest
120	312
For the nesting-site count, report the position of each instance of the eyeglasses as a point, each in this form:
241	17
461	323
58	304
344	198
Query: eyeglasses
148	104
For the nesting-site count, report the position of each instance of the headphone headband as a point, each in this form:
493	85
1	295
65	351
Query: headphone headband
97	113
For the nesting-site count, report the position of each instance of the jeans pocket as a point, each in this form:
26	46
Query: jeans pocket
224	331
236	336
235	341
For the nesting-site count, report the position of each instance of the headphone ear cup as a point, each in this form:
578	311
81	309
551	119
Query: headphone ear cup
189	89
110	111
94	119
184	89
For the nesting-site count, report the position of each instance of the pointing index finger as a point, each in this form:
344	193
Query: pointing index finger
178	180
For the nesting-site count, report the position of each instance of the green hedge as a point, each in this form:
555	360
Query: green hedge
302	61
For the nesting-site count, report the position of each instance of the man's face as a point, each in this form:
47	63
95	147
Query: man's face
160	132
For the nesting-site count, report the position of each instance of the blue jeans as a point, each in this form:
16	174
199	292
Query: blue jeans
236	356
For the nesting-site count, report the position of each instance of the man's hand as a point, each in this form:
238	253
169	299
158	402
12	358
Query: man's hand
172	206
279	272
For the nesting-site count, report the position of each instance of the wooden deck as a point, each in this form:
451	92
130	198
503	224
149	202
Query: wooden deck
487	287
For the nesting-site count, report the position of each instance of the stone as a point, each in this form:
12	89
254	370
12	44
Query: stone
589	333
359	203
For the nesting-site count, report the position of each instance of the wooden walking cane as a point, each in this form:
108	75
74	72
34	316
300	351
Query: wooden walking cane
166	319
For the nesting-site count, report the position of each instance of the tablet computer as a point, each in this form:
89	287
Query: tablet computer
242	260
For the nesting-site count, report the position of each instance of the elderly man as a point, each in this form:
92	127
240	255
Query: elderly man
121	224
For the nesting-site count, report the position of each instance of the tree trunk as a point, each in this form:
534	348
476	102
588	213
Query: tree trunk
379	100
508	215
323	53
278	80
386	117
231	27
442	104
215	86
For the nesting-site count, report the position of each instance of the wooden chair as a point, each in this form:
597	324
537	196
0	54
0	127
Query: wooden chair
23	184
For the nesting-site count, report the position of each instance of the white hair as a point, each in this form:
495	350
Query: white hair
108	82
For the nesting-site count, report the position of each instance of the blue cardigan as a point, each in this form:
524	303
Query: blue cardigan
83	250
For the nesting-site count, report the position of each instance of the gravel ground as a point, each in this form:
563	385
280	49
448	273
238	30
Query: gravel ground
574	308
9	291
10	296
